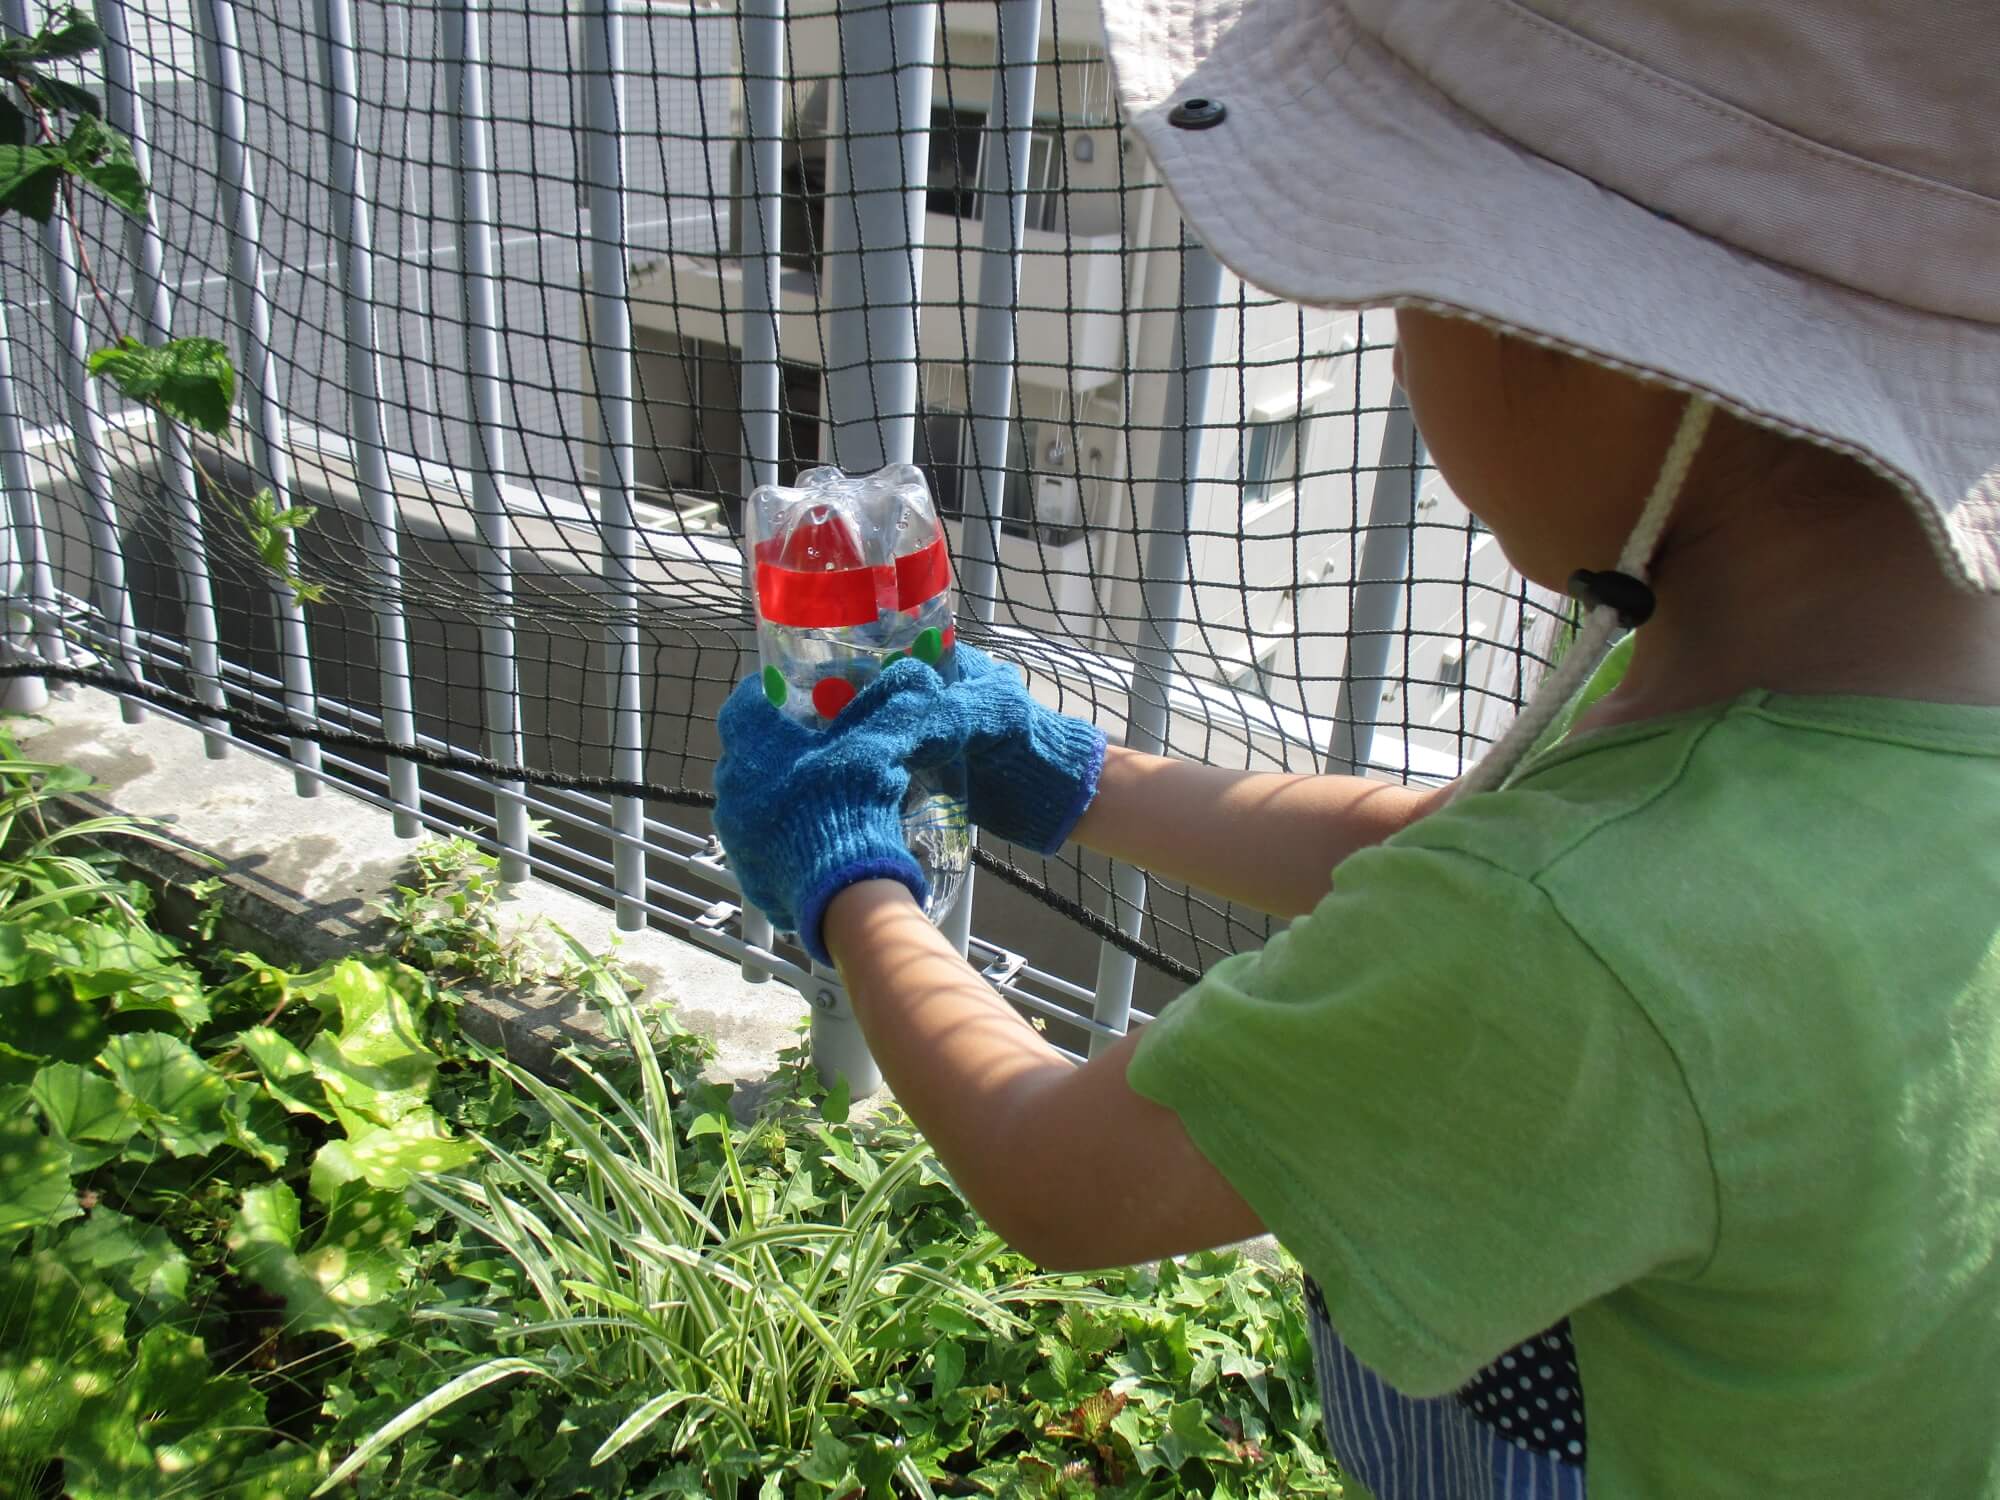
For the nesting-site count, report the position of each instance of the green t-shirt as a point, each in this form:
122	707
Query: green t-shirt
1691	1034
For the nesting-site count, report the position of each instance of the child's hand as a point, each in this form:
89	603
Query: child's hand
1030	771
805	813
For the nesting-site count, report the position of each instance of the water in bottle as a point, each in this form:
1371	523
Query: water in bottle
853	572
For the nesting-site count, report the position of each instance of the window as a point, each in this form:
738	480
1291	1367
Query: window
952	186
1045	184
957	157
1273	455
944	453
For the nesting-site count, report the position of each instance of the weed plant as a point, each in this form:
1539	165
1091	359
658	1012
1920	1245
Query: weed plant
268	1234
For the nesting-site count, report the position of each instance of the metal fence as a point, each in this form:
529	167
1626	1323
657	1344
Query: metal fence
527	296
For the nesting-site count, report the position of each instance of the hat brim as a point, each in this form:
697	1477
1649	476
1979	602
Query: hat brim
1340	178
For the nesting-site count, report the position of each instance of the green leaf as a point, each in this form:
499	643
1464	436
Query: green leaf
29	177
140	1261
375	1067
342	1285
190	379
62	1341
1188	1436
125	961
70	33
419	1412
44	1019
288	1073
60	95
946	1318
179	1099
838	1103
34	1171
256	1125
947	1368
86	1112
389	1156
171	1424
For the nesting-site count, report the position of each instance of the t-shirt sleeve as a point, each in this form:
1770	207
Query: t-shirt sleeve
1445	1106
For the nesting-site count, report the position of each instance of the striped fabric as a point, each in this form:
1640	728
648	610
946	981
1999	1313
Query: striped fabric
1402	1448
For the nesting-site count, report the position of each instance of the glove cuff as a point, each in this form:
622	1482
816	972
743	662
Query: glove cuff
1038	792
880	865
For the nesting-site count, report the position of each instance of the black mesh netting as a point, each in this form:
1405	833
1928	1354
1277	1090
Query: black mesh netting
1310	483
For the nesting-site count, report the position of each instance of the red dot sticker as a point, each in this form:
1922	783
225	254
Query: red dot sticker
831	695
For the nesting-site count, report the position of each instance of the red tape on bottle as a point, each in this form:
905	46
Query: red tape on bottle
848	596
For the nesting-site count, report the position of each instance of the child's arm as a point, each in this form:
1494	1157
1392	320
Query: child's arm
1039	777
1069	1165
1269	840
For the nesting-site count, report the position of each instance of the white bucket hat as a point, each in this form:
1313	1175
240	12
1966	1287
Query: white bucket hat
1790	207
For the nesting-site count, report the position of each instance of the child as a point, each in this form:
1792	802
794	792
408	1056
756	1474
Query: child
1634	1107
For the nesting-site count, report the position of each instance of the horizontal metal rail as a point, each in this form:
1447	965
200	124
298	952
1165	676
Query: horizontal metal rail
872	313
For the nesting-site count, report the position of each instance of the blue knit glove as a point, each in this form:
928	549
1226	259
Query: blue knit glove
805	813
1030	772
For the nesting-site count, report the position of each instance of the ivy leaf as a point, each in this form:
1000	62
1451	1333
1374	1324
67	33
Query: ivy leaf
343	1284
29	177
190	379
179	1098
34	1172
1188	1436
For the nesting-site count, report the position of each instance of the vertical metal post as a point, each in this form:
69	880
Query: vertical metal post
109	594
875	231
1379	586
126	113
1004	178
28	573
478	239
873	280
223	57
610	322
1164	589
354	214
762	27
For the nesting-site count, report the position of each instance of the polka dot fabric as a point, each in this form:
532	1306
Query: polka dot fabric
1531	1395
1454	1447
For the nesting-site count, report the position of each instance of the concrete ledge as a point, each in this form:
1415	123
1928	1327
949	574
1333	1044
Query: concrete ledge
302	876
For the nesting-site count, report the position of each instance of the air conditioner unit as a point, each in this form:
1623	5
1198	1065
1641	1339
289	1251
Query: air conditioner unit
1058	503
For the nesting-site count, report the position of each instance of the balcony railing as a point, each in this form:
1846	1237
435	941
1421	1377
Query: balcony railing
442	241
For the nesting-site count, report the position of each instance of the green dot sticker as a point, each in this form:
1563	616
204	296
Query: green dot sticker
894	657
775	688
929	647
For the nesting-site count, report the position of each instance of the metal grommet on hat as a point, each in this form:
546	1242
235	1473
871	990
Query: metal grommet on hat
1197	114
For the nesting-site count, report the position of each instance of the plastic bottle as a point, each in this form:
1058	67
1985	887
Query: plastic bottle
852	572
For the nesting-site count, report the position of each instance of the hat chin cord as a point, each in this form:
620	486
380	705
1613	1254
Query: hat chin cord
1603	622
